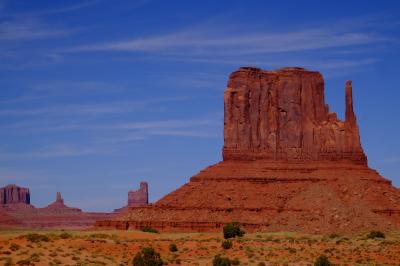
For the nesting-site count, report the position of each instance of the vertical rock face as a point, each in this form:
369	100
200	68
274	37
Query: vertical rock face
139	197
282	115
12	194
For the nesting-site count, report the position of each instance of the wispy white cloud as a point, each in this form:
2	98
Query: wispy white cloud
205	42
61	150
111	107
29	29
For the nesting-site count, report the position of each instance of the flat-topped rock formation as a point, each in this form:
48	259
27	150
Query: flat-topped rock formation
282	115
137	198
12	194
288	165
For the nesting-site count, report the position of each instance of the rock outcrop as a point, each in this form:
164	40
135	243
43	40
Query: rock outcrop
59	206
12	194
282	115
139	197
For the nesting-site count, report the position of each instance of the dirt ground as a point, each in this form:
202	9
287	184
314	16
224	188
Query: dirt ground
18	247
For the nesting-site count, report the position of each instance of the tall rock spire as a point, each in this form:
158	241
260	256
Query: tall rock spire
350	116
59	198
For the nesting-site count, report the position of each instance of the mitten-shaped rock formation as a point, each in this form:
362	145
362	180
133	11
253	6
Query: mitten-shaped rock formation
289	165
13	194
282	115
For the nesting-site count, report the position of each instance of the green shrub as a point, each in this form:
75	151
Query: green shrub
221	261
8	262
36	238
149	230
322	261
232	230
173	247
14	247
147	257
226	244
235	261
24	262
334	235
375	234
65	235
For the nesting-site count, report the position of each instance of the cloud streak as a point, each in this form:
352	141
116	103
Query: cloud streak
212	42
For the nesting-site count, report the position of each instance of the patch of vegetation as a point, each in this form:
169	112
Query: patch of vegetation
221	261
226	244
36	238
8	262
173	247
334	236
99	235
235	261
149	230
375	234
25	262
14	247
65	235
322	261
232	230
147	256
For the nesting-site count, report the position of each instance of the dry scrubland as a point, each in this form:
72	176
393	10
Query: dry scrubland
119	247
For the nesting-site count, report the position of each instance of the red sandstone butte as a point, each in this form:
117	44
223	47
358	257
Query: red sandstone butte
12	194
289	164
137	198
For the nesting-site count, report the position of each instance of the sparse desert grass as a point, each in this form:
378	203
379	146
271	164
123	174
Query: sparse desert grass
120	247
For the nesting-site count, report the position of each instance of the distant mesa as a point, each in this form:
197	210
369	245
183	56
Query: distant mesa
289	164
18	213
137	198
13	194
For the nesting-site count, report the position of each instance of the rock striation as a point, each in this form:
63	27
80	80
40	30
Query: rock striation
12	194
289	164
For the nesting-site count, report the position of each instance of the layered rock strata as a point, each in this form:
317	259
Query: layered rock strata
288	165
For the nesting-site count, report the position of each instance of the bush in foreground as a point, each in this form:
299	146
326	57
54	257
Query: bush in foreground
221	261
232	230
149	230
147	257
173	247
226	244
375	234
322	261
36	238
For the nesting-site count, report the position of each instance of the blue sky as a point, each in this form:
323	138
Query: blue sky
97	95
